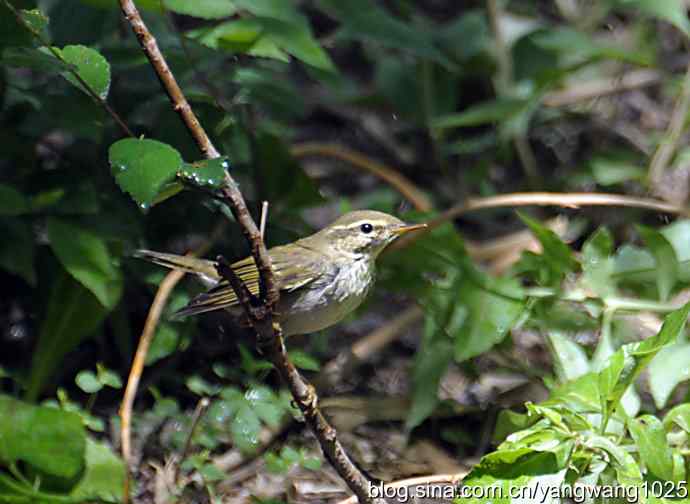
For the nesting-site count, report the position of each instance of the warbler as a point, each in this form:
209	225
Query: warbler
321	278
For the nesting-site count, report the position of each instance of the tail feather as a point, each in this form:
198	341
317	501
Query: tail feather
204	268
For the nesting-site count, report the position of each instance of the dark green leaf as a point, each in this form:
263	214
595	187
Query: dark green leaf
206	9
13	33
12	202
303	360
107	377
35	59
17	249
87	258
266	404
366	21
50	440
206	173
430	365
500	109
142	167
73	314
650	437
556	254
90	65
164	343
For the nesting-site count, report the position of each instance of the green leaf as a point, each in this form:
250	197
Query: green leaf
12	202
598	264
87	381
570	360
205	9
86	257
205	173
50	440
668	369
142	167
303	360
244	35
500	109
107	377
164	343
611	171
13	33
650	437
556	254
104	476
665	258
17	249
673	11
366	21
73	313
625	365
583	46
678	416
430	365
487	313
34	59
90	65
627	470
266	404
201	387
245	429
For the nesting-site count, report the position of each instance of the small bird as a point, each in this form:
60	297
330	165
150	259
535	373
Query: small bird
321	278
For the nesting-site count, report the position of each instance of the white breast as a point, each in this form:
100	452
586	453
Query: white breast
327	302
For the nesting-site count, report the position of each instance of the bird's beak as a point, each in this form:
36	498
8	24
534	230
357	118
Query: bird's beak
409	227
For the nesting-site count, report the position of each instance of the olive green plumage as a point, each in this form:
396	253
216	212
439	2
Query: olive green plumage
321	278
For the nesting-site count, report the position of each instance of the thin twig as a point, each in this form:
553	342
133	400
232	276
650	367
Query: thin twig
57	54
566	200
271	343
164	289
264	216
199	411
259	311
398	181
667	145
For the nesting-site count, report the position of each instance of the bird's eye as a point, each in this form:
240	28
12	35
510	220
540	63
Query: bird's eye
366	228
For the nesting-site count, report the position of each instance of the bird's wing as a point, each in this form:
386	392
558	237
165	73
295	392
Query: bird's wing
293	268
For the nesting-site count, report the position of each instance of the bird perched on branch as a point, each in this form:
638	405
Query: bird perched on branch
321	278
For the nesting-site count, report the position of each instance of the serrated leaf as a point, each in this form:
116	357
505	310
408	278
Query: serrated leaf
142	167
205	9
86	257
205	173
90	65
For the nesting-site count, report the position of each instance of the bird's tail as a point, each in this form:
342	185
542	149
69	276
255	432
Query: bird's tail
203	267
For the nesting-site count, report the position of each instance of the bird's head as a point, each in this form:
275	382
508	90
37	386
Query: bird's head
364	233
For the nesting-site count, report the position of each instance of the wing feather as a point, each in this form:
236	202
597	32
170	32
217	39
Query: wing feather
294	268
